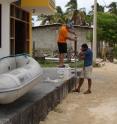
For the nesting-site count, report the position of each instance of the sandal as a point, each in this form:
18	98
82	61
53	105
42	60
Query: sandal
87	92
76	90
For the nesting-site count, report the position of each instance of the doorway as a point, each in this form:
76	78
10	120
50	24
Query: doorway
20	37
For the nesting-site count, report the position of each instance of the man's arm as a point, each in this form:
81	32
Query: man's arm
81	56
69	38
72	32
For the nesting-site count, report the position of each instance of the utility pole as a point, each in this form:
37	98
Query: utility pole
95	32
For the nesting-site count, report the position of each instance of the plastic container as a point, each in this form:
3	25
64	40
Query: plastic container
64	73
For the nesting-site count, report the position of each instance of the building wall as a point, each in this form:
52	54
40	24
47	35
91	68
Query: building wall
45	37
37	3
5	29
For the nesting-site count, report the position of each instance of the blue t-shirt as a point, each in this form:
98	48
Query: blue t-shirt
88	60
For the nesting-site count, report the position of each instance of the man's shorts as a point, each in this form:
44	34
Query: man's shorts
86	73
62	47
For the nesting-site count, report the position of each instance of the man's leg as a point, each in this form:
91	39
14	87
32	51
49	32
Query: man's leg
61	59
88	75
89	84
62	50
81	81
89	87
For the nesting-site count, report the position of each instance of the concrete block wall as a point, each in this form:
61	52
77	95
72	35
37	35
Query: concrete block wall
45	37
35	106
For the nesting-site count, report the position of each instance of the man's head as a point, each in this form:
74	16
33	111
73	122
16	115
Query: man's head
84	47
69	25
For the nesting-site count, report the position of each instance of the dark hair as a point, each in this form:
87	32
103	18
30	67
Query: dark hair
85	46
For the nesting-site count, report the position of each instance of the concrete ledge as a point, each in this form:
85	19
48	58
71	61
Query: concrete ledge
34	106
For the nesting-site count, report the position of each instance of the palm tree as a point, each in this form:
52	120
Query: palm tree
113	8
77	16
72	5
43	19
89	17
59	10
72	13
58	17
99	9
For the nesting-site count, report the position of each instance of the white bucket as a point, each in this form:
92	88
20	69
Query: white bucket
60	73
64	73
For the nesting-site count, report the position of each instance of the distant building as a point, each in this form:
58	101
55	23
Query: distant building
45	37
15	24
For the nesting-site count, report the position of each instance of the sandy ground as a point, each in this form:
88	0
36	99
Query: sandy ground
100	107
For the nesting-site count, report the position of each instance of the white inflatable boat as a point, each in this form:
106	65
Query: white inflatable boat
18	75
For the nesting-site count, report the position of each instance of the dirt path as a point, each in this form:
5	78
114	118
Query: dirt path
100	107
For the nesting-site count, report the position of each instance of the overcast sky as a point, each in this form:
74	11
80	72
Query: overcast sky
84	3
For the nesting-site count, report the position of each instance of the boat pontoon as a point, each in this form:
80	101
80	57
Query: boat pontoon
18	75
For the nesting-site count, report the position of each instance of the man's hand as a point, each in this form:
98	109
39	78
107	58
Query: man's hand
72	39
74	34
81	56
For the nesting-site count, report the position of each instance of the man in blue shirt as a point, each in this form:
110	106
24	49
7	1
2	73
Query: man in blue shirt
86	55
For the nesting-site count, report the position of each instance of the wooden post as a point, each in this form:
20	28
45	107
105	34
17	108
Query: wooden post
95	32
34	49
75	50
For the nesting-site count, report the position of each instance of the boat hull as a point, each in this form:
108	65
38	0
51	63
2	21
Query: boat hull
17	82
